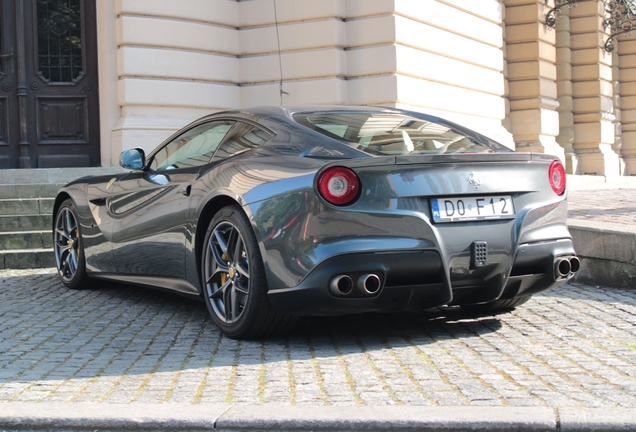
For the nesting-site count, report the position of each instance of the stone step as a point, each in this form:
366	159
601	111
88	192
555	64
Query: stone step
24	259
52	175
26	240
26	206
18	223
35	190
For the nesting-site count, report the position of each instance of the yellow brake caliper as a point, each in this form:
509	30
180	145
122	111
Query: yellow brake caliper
224	276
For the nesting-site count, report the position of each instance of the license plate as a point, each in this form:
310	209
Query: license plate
472	208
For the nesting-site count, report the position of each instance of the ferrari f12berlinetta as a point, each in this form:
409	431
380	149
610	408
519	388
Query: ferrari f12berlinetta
268	214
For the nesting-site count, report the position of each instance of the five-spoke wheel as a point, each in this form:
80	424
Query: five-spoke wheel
233	279
227	272
67	245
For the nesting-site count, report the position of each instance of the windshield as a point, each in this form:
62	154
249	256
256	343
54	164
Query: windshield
394	134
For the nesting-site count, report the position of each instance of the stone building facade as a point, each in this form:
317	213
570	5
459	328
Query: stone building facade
492	65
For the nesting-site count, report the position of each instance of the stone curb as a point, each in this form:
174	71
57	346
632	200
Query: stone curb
607	252
86	416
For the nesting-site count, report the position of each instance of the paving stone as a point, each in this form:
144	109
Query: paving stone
573	346
603	205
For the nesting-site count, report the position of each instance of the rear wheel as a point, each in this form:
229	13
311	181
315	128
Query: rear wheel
68	248
498	305
233	279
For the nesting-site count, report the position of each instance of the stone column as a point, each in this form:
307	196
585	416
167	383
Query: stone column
618	116
592	93
627	79
564	91
531	58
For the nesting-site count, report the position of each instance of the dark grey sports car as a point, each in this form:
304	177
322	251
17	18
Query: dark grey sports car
272	213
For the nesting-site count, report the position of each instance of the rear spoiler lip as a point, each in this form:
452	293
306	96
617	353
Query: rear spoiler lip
474	157
444	158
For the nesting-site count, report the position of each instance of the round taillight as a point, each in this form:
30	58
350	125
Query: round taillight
556	174
339	186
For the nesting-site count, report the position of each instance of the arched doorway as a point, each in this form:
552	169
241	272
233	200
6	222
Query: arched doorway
49	108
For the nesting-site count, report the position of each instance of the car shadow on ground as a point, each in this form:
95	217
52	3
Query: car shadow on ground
428	325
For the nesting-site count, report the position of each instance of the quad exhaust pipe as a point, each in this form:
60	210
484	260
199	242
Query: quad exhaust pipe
575	264
341	285
562	267
566	267
368	284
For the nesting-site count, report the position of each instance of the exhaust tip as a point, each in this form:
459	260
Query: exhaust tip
575	264
341	285
562	268
369	283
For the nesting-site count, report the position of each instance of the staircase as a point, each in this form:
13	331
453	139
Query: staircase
25	225
26	213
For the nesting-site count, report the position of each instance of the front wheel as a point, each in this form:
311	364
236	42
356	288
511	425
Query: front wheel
233	279
498	305
68	249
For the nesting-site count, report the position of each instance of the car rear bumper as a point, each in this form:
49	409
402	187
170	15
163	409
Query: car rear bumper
418	279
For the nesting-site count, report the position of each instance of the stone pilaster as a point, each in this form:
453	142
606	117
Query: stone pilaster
564	91
627	81
506	121
618	115
592	92
531	60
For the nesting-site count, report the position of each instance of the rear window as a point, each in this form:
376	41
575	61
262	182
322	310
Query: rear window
394	134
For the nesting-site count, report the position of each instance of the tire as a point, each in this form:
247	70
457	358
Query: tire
498	305
68	247
233	279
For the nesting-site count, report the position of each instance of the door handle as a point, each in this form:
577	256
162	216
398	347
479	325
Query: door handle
186	190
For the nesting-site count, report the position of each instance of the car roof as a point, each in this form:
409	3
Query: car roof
272	116
255	113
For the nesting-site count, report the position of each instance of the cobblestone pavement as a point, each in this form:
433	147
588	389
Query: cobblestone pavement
574	346
604	205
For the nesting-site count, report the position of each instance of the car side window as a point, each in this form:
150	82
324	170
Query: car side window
245	138
194	147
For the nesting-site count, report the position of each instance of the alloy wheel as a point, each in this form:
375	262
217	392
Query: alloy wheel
227	272
66	244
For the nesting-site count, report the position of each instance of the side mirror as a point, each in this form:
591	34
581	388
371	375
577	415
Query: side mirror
134	159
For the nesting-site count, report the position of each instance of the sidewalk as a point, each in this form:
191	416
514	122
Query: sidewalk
124	357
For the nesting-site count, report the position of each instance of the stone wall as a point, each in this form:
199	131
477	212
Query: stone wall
167	63
492	65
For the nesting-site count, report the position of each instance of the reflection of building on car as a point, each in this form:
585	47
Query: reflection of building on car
271	213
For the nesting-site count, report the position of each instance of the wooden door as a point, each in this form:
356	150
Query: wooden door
48	86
